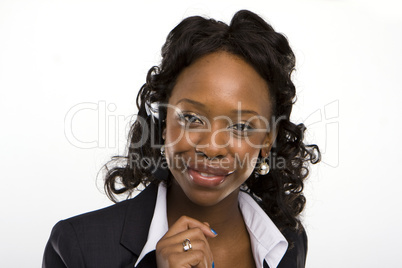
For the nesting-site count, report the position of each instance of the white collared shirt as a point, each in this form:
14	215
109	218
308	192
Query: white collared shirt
267	242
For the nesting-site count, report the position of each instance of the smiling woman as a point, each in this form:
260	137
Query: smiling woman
220	152
212	163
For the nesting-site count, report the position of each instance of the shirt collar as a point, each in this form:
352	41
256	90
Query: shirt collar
267	241
159	223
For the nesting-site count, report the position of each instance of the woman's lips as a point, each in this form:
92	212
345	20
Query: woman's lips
208	177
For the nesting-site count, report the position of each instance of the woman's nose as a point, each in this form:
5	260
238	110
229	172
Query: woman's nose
213	144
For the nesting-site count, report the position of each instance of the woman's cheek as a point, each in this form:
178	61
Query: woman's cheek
174	135
246	158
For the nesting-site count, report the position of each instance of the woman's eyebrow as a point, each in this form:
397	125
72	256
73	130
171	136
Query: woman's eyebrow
191	101
196	103
244	112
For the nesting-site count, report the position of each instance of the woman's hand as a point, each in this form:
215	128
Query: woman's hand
170	251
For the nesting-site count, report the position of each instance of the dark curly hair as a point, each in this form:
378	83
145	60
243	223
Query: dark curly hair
248	36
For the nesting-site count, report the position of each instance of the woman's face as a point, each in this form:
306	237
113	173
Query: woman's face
216	126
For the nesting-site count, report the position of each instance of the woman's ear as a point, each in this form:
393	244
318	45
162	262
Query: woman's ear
164	134
269	141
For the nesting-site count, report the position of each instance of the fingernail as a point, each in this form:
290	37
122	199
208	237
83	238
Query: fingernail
215	233
213	265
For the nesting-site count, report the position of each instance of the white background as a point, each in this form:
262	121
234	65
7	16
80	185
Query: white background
55	55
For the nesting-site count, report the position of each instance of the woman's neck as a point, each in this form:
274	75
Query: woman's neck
232	246
225	217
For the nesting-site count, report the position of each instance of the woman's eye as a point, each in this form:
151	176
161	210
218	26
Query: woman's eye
189	119
241	128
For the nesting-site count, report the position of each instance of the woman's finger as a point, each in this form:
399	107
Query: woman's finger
191	234
175	254
185	242
185	223
185	245
193	258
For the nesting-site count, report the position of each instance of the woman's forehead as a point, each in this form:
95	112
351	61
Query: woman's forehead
223	81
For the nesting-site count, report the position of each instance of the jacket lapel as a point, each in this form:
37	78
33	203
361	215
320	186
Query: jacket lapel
138	219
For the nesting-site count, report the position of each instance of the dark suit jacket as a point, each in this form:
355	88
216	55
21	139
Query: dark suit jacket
114	237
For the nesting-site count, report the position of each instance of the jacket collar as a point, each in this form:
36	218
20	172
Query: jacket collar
138	219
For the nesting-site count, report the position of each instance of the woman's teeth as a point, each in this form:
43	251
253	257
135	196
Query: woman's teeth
206	174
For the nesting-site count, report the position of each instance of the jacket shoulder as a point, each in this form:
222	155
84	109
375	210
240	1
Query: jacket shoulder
115	214
112	214
295	256
94	238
